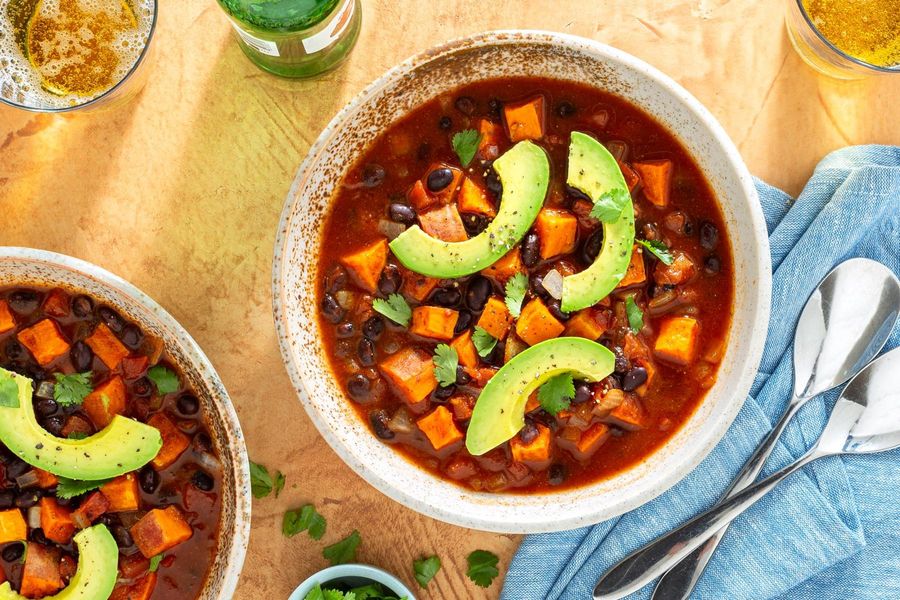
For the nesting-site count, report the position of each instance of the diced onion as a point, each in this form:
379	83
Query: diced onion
617	148
27	479
390	229
208	461
553	283
34	516
45	390
346	299
401	422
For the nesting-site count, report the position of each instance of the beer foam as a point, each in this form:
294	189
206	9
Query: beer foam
20	81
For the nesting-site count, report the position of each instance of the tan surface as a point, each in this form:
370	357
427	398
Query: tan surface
180	192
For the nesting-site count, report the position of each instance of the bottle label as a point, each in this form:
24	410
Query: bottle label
267	47
332	32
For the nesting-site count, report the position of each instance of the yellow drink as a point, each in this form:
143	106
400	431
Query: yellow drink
868	30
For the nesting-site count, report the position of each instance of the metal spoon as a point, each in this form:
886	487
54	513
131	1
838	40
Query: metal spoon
865	419
844	325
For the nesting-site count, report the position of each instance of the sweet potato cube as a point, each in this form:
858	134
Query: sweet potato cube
533	403
462	407
537	323
123	494
448	194
106	401
365	265
12	526
481	375
629	414
411	373
46	480
525	120
502	270
465	349
174	443
657	178
160	530
495	318
45	341
680	271
632	179
107	346
41	575
677	340
434	322
557	230
439	428
537	451
491	139
134	366
417	286
473	199
56	521
419	197
56	304
636	273
90	510
444	223
587	323
591	440
7	321
142	589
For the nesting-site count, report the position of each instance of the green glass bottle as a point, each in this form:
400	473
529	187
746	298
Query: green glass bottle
295	38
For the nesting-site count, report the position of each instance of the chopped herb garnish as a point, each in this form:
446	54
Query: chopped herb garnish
261	483
658	249
609	205
394	308
425	569
154	563
465	144
556	393
165	380
372	591
70	488
9	391
305	518
634	313
482	567
343	551
484	342
71	390
446	360
515	293
77	435
279	482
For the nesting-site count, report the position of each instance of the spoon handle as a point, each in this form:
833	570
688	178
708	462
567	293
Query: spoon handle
679	581
642	566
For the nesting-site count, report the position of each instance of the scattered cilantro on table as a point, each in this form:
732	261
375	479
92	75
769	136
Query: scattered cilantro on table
262	483
634	313
658	249
556	393
609	205
483	341
465	144
482	567
394	308
71	390
165	380
70	488
446	361
515	293
343	551
305	518
279	483
425	569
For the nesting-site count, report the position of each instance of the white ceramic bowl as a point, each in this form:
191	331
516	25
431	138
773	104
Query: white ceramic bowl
25	266
498	54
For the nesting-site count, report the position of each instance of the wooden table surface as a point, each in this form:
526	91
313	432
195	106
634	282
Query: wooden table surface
180	192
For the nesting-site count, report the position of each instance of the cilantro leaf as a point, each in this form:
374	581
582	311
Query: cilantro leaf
609	205
315	594
425	569
9	391
77	435
343	551
372	591
659	250
482	567
338	595
165	380
515	293
154	563
634	313
445	360
261	483
484	342
306	518
394	308
465	144
69	488
556	393
71	390
279	482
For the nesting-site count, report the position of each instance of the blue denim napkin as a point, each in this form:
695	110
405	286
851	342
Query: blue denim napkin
829	531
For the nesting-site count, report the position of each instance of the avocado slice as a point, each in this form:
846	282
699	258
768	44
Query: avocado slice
98	568
594	171
125	445
524	171
500	410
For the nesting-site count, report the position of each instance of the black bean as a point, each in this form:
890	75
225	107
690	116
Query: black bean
443	393
38	536
390	280
365	350
465	105
565	109
622	362
142	387
331	309
13	552
445	123
577	194
82	356
529	433
556	311
108	519
712	264
14	350
188	404
203	481
497	356
536	284
402	213
53	424
82	306
439	179
446	296
462	378
112	319
477	293
16	467
591	247
358	386
373	175
688	228
345	330
373	327
335	279
583	393
7	500
495	106
379	420
531	249
709	235
28	499
132	336
462	322
122	536
493	184
473	223
45	407
149	479
634	379
202	443
24	302
556	474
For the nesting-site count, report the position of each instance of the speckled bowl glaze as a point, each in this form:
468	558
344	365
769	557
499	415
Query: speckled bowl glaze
497	54
25	266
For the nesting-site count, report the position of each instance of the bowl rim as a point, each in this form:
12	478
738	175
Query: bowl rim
233	563
758	310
